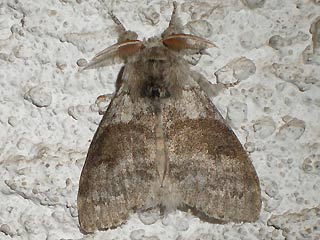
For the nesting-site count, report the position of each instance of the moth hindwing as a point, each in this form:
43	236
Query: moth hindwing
162	142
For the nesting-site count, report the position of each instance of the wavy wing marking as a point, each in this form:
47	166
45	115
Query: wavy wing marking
119	167
213	171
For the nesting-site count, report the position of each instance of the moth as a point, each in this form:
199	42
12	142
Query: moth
162	143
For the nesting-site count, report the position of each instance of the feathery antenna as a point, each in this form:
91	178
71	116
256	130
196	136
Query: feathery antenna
173	15
116	21
124	34
175	26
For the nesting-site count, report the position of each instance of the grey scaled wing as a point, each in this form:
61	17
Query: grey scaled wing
119	166
216	178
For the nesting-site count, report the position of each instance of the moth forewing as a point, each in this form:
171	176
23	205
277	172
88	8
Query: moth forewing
162	143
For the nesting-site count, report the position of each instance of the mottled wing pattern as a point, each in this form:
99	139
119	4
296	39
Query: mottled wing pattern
216	178
119	165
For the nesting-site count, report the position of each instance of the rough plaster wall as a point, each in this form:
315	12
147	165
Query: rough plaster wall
49	110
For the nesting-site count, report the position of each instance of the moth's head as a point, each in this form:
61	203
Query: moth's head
128	46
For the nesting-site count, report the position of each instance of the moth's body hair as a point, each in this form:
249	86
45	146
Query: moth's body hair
156	66
156	74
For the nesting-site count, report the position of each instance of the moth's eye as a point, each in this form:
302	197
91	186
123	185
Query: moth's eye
179	42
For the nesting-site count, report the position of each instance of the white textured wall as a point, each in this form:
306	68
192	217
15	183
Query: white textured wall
48	113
